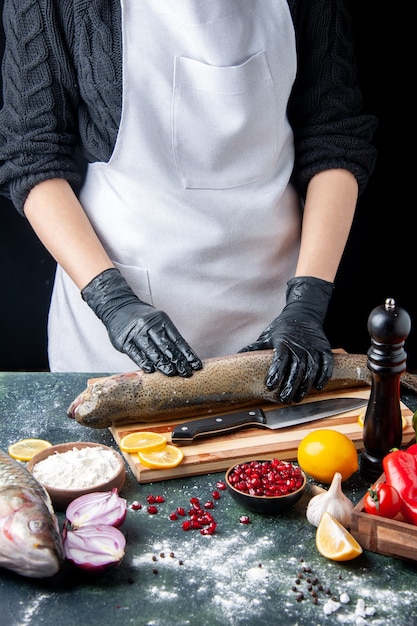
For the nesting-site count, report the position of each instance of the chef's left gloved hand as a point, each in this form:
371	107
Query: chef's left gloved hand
302	352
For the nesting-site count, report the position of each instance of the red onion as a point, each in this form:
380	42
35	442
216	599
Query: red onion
102	507
94	548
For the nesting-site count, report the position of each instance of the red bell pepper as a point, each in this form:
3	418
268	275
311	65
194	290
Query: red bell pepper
412	449
400	469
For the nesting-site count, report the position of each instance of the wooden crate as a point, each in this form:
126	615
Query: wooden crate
391	537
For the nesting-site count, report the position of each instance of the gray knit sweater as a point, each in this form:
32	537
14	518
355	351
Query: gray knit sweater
62	92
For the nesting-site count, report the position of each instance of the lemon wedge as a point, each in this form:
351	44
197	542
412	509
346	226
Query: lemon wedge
335	542
169	456
142	441
361	419
25	449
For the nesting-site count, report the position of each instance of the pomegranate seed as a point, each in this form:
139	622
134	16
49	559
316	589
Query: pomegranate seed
221	485
186	525
135	506
152	510
194	512
159	499
195	501
173	516
210	529
216	495
244	519
196	524
209	505
151	499
181	511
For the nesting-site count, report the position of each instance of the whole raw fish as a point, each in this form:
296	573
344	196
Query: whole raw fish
224	383
30	541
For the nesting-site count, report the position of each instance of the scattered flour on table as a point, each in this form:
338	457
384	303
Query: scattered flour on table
243	587
77	468
28	612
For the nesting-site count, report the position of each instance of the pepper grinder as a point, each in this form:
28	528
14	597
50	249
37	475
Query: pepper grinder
388	327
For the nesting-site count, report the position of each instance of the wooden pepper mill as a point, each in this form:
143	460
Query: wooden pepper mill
388	327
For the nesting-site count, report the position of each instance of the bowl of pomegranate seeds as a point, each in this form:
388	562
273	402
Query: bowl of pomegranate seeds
268	487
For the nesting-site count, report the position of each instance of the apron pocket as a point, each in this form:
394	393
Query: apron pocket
224	123
138	280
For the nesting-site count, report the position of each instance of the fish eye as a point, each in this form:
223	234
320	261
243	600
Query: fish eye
37	525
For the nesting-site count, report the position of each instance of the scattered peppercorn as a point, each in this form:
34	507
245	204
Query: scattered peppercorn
312	585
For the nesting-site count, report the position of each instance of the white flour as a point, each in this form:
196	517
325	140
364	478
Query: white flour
241	572
77	468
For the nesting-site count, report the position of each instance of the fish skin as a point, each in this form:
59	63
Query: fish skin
225	383
30	540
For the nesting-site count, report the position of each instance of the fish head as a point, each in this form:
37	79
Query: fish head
30	541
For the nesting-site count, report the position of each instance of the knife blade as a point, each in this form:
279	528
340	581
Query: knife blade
187	432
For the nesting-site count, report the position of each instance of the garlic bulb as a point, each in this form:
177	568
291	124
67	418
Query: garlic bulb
334	501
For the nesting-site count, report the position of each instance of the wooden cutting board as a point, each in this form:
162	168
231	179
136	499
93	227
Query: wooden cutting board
215	454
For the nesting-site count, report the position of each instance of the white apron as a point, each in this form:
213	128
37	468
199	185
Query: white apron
194	206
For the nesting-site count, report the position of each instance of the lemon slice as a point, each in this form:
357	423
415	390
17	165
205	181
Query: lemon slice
170	456
25	449
335	542
142	440
361	419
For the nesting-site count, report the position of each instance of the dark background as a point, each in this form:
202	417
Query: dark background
379	256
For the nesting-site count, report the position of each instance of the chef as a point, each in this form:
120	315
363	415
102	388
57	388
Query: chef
225	151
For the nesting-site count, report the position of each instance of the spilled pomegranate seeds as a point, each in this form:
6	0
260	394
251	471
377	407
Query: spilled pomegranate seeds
198	516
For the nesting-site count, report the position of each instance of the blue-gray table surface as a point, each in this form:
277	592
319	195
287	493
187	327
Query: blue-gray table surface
243	574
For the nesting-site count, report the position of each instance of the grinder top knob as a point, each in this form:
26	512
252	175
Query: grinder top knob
388	324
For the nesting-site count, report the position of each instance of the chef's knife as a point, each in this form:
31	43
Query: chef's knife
188	432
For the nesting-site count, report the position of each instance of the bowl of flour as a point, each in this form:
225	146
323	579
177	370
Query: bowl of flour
72	469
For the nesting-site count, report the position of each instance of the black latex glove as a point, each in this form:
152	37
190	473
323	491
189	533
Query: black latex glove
141	331
302	353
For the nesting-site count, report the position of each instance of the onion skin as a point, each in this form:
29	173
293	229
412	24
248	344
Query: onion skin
94	548
97	508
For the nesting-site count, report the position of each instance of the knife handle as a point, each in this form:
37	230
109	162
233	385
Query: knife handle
188	431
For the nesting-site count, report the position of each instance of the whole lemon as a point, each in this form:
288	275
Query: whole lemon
324	451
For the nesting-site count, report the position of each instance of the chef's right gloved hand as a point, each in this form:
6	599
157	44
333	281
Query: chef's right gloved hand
144	333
